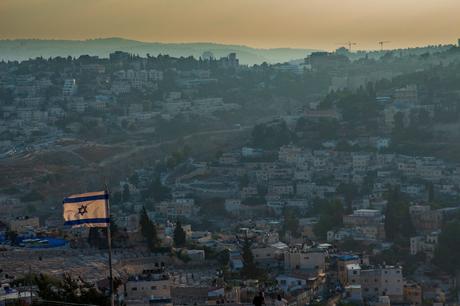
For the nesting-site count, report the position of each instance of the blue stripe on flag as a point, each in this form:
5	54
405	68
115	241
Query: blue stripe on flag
91	220
86	199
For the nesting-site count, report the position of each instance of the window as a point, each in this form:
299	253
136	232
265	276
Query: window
153	288
134	288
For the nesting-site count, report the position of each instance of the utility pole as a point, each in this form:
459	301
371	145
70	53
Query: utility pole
30	284
109	243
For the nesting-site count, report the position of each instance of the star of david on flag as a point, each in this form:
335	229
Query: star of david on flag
87	209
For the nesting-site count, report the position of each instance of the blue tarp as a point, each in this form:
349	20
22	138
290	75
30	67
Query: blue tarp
38	242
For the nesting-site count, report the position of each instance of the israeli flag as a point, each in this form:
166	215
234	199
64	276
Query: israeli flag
87	210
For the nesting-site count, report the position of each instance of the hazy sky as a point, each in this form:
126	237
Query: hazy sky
259	23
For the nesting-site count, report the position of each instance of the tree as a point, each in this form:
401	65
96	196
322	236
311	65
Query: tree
114	230
32	196
291	223
115	198
12	236
149	231
134	179
158	191
244	180
330	217
31	209
447	252
211	207
94	238
126	193
69	290
179	235
398	223
430	189
349	191
271	135
398	126
249	270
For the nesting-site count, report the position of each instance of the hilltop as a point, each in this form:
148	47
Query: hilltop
23	49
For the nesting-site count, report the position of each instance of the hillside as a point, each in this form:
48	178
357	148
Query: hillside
23	49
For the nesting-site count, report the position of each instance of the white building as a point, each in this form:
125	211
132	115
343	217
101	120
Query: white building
139	290
376	281
304	258
425	244
289	283
70	87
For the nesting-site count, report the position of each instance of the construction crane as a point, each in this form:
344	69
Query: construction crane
381	43
349	44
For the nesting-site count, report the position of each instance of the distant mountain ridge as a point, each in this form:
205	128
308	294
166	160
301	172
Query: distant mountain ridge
23	49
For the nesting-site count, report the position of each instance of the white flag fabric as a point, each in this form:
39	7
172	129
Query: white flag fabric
87	210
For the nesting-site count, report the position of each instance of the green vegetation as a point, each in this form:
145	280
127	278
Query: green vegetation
126	194
330	217
149	231
179	235
70	290
250	270
157	191
447	253
291	222
271	135
398	224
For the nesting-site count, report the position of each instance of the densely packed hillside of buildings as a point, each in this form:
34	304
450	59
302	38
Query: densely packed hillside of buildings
344	194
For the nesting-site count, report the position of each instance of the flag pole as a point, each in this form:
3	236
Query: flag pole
109	243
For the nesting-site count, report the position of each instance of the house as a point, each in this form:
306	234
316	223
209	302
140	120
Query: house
382	280
425	219
23	224
289	154
70	87
305	258
291	282
232	206
342	262
369	222
281	188
196	255
353	293
198	295
412	294
269	255
140	288
236	261
176	208
424	244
